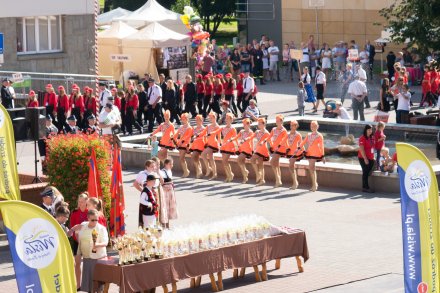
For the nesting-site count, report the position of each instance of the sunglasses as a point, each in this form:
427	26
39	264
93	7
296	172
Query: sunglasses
93	220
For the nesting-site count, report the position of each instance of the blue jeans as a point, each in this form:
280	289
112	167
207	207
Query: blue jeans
245	68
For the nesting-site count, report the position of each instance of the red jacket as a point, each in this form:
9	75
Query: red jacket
200	88
77	217
50	100
118	103
132	102
77	103
91	105
63	102
239	88
208	89
218	90
33	104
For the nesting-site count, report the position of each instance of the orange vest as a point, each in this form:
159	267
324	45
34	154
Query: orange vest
199	139
214	136
277	137
167	130
261	147
314	145
184	134
228	133
246	142
292	143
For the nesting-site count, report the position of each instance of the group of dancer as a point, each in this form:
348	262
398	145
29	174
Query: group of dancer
256	146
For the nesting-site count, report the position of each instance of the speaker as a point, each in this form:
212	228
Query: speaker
36	120
20	128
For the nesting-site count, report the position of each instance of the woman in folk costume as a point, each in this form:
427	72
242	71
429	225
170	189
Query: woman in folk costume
228	147
313	144
182	140
166	142
170	203
198	144
213	137
293	152
261	152
245	142
277	136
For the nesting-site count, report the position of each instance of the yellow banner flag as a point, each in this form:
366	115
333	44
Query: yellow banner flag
9	185
41	253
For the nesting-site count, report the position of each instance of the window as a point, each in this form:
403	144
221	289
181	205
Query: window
40	34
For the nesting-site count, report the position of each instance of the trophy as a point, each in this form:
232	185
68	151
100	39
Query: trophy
94	238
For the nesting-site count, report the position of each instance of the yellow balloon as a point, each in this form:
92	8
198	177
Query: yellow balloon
185	19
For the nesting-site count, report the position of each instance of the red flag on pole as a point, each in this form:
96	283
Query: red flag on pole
94	184
117	223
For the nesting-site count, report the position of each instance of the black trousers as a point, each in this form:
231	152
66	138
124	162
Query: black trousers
232	105
200	98
49	111
206	106
366	169
216	105
153	114
141	115
123	122
77	113
131	121
245	102
240	102
61	118
42	147
190	107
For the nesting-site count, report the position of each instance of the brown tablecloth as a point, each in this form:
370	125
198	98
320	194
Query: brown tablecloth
144	276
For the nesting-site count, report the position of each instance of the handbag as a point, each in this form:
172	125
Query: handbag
381	116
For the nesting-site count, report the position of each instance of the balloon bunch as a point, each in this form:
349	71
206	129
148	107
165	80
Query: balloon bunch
199	38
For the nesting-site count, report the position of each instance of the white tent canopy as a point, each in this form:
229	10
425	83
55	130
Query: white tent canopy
152	12
118	30
108	17
156	35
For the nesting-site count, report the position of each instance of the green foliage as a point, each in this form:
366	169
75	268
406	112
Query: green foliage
179	5
214	12
67	165
418	21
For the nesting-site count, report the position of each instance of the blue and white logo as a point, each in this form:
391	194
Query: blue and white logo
418	181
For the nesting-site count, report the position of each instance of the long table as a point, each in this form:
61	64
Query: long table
142	277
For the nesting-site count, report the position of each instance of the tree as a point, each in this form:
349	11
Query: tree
418	21
214	12
127	4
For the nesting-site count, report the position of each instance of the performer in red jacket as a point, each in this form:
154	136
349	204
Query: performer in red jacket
50	101
63	107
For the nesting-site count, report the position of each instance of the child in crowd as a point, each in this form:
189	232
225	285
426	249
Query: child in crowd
154	147
148	202
302	97
379	138
386	163
62	215
96	204
344	115
168	187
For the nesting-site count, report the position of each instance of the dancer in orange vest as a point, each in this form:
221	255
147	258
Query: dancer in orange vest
245	142
277	136
198	144
314	151
228	147
182	140
212	145
293	152
261	152
166	142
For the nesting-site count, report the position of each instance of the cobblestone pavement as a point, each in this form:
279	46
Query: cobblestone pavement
351	236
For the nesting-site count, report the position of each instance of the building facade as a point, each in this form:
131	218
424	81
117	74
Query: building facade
48	36
294	20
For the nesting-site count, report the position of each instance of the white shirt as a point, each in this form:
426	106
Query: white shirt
305	79
248	85
142	177
362	74
153	93
272	50
357	88
108	118
86	244
344	114
168	174
320	78
103	97
404	102
305	57
144	199
364	55
253	111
